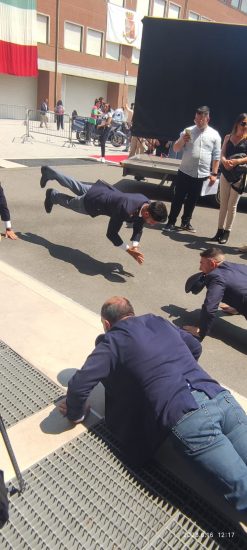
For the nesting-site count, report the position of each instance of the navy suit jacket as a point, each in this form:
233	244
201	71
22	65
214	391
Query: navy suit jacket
4	211
145	364
104	200
226	283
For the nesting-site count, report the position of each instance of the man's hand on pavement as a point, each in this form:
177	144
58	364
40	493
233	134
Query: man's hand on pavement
195	331
9	234
62	407
136	254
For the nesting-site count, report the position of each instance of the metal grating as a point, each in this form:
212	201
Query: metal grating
83	497
24	390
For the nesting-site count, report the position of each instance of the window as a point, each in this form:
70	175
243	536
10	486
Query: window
159	8
94	42
135	56
244	6
142	8
112	51
173	11
235	3
117	2
42	28
193	16
72	37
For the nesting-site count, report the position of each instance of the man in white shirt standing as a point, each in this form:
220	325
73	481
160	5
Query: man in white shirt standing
201	146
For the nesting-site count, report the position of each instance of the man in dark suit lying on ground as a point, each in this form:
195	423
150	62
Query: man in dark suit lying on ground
102	199
155	387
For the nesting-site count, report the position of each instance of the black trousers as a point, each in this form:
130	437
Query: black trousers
104	133
187	192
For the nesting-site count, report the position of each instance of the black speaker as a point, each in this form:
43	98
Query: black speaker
186	64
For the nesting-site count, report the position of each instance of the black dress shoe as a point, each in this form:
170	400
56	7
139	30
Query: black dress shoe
219	235
225	237
43	179
48	202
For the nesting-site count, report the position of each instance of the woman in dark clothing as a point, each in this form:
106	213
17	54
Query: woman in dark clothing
234	143
59	110
104	128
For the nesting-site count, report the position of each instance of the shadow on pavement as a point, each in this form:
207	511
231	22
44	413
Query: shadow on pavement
84	263
232	335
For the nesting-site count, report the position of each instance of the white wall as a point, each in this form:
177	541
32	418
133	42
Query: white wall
80	93
131	94
18	90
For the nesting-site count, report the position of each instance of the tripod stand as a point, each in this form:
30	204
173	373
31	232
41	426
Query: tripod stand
6	440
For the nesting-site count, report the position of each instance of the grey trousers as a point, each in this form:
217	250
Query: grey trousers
79	188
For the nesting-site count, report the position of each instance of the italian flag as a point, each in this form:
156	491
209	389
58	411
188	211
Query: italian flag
18	43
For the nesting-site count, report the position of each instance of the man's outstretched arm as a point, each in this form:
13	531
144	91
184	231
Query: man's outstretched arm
5	216
112	234
95	370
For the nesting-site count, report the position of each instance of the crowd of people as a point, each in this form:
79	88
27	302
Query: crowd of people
145	357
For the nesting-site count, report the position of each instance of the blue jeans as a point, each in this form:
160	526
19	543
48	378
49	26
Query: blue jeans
67	201
215	437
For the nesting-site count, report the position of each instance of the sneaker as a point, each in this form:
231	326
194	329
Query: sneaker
169	227
125	150
43	179
102	159
187	227
48	204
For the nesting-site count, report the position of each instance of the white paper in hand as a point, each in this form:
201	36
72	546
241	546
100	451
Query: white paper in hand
209	189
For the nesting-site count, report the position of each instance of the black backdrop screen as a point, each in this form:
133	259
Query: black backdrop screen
185	64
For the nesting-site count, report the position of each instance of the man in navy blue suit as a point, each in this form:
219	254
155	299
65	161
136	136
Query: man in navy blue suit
5	216
154	387
102	199
225	282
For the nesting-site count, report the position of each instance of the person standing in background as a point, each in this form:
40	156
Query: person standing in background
59	110
235	144
128	120
44	108
92	121
201	146
104	128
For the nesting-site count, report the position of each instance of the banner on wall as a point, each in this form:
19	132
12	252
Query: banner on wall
123	26
18	37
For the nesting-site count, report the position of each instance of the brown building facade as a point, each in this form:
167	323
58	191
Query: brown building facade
76	62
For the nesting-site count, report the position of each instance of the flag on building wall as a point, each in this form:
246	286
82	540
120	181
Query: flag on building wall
18	37
123	26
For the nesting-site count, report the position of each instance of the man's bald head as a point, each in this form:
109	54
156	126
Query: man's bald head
116	308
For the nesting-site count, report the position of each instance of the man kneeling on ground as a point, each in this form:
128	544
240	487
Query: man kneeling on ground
154	387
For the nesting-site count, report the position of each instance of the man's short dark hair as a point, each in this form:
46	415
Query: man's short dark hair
158	211
203	109
213	253
116	308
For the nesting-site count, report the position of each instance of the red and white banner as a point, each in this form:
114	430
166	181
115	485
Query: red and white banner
123	26
18	37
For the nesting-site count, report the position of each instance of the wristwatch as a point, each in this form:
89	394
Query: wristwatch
214	174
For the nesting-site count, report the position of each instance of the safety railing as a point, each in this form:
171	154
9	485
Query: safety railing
49	124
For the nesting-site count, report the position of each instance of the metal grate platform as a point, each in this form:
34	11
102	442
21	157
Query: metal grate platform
83	497
24	390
